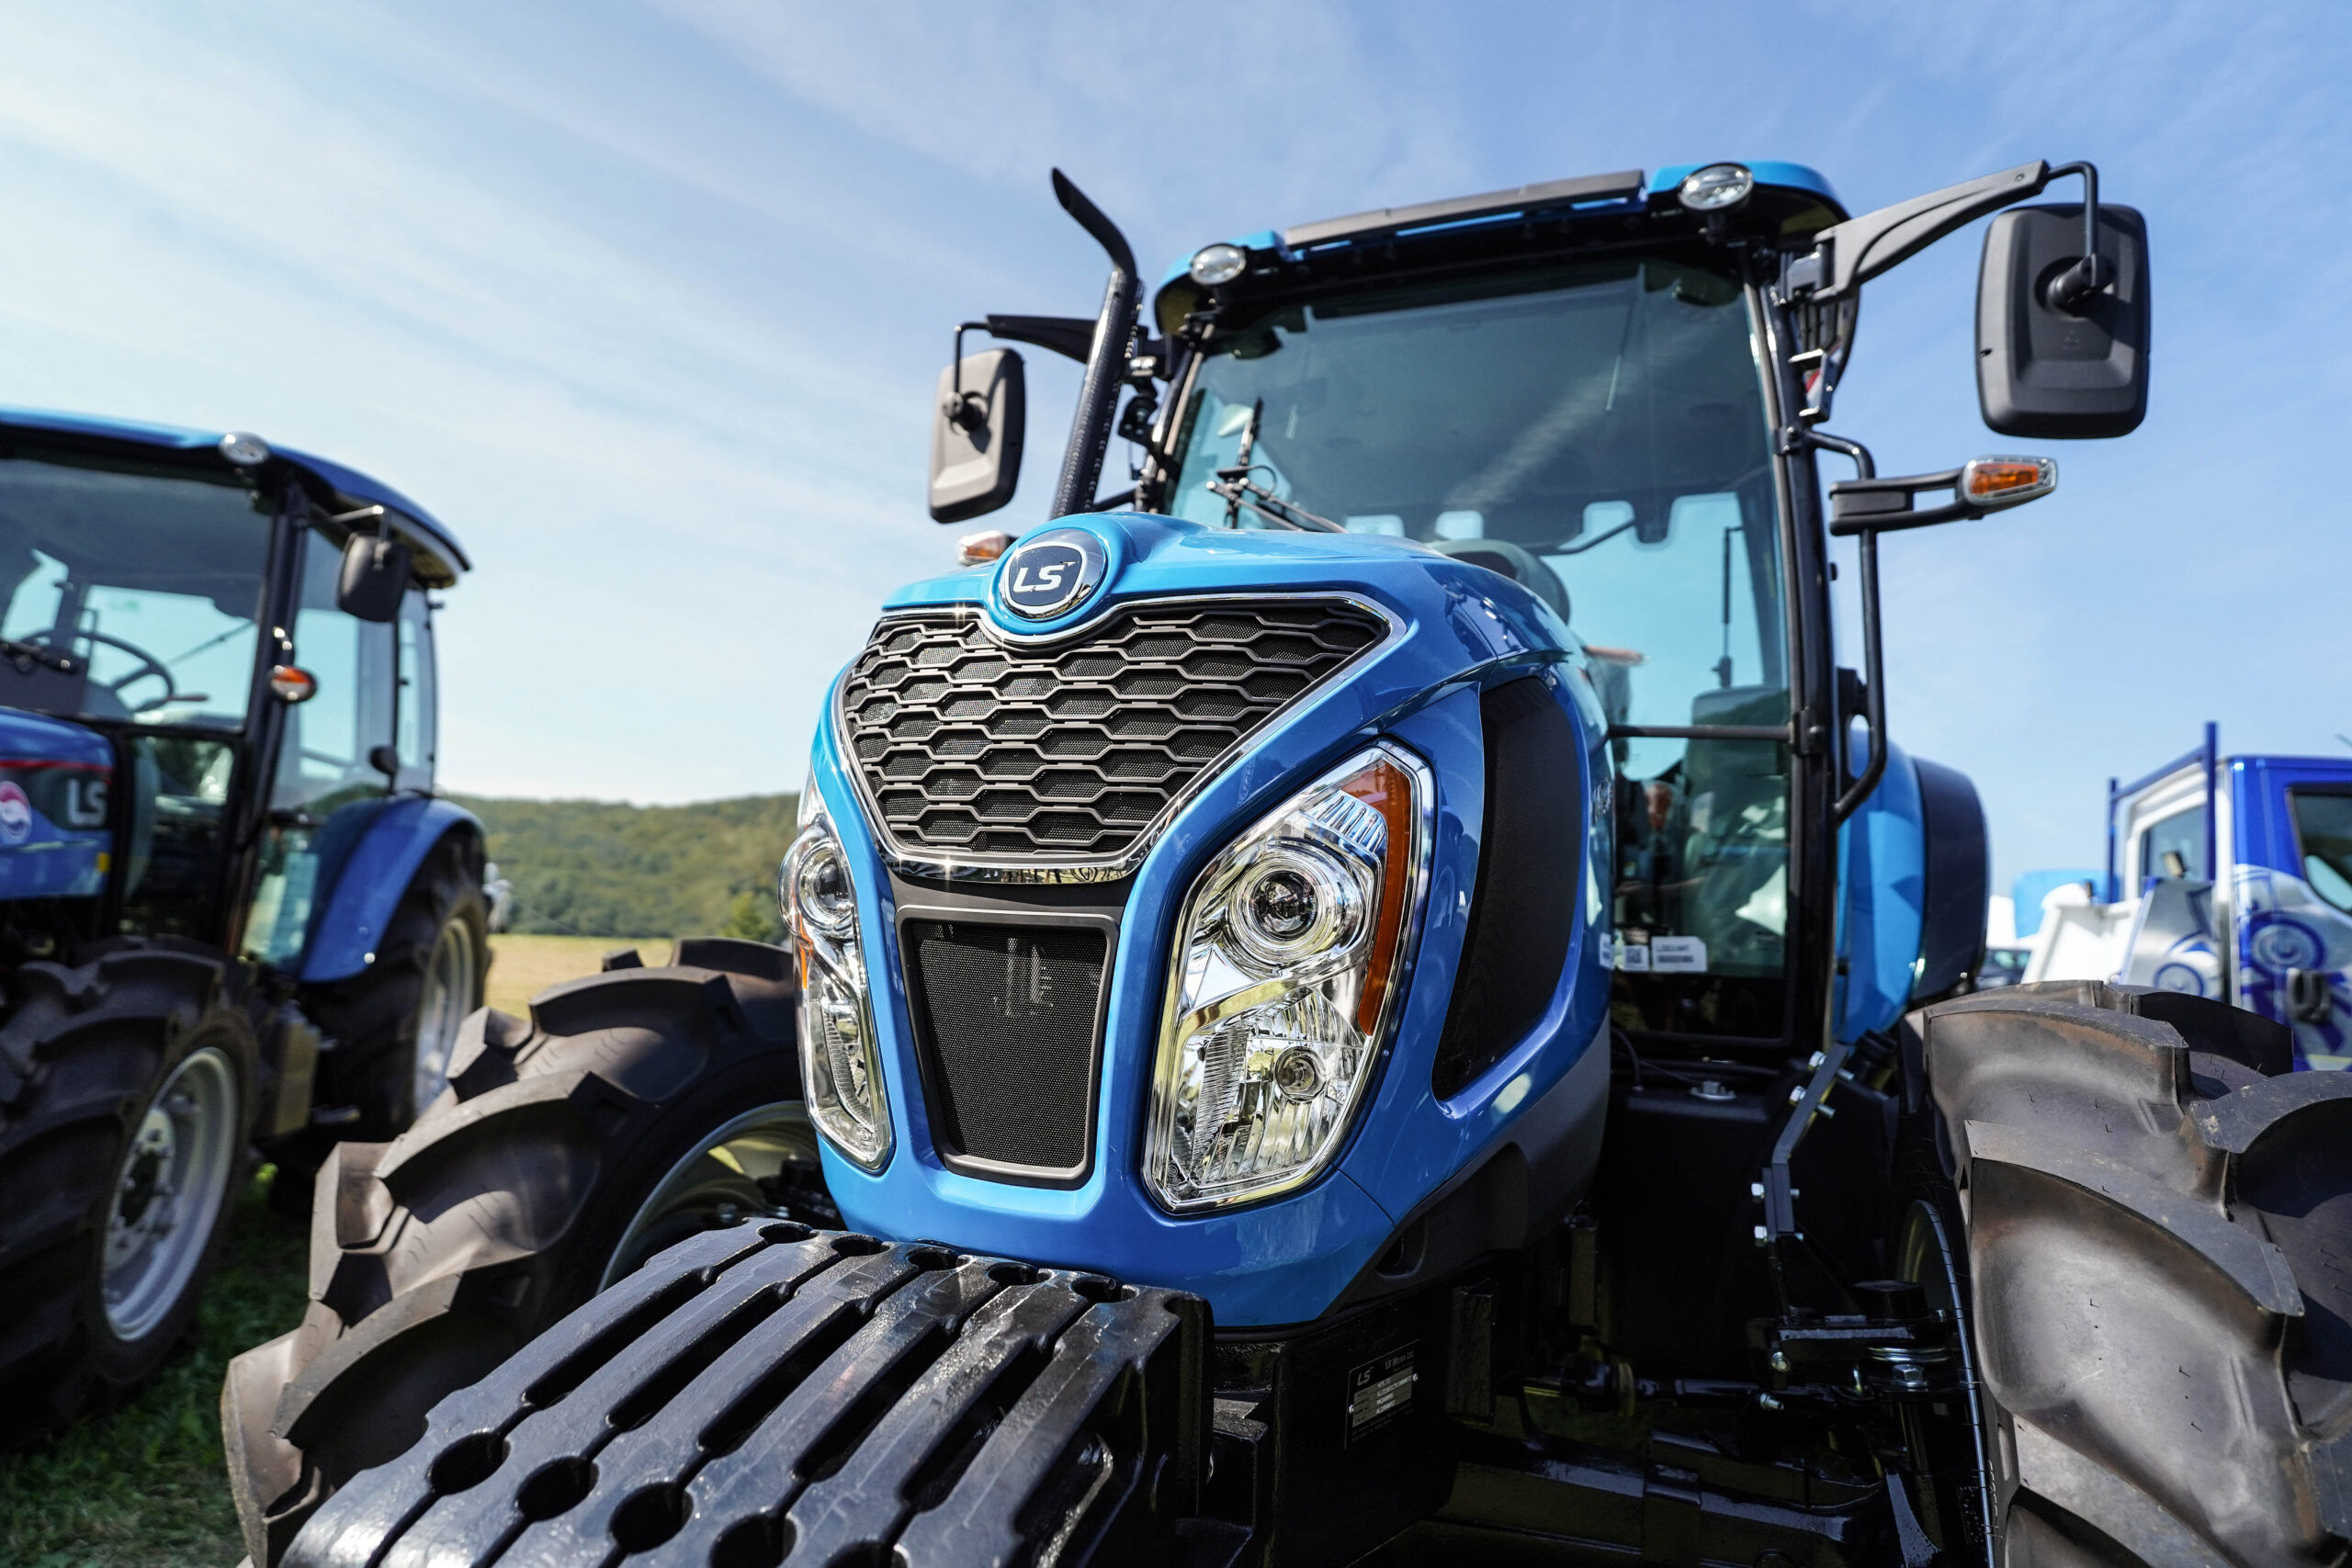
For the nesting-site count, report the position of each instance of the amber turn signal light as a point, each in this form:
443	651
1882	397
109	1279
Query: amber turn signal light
974	549
1989	482
290	683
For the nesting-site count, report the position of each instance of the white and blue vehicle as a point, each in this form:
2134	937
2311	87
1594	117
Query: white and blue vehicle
1383	993
2229	877
232	912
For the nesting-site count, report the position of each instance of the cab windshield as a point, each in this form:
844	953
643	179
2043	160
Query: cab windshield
1598	431
145	587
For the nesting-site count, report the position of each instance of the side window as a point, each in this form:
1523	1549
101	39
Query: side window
418	709
325	763
327	785
2175	846
2324	837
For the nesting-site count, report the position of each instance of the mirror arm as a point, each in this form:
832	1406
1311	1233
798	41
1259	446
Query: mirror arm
2071	291
379	516
1873	656
962	409
1072	337
1848	255
1106	363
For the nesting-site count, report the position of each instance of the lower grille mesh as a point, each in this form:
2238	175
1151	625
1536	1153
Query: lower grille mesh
1005	1018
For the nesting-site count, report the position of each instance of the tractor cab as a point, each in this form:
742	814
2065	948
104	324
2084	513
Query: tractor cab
202	720
1589	417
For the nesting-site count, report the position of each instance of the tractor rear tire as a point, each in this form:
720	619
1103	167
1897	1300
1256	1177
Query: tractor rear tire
126	1105
2159	1237
395	1023
567	1150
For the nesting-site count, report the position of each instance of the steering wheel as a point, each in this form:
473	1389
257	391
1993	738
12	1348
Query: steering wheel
149	665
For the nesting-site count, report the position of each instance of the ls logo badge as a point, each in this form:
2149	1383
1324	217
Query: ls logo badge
1050	573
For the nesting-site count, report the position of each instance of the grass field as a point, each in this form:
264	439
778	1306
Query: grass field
144	1487
523	966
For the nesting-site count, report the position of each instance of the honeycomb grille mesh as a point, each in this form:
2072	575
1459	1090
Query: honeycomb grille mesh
971	748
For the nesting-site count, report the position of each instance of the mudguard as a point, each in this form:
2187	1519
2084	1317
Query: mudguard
1881	906
373	876
54	783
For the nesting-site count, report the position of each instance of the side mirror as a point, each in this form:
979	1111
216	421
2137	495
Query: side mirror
2059	352
981	414
375	575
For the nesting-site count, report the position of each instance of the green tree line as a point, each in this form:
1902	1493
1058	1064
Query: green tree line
594	868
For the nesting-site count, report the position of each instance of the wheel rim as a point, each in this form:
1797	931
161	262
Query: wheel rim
1926	1255
716	1183
169	1191
448	997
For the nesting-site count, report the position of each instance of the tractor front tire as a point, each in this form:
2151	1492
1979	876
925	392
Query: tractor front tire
567	1151
2159	1258
126	1105
395	1023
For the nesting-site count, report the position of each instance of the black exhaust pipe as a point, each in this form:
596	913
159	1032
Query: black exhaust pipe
1098	397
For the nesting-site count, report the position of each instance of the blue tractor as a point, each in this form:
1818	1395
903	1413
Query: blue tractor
1382	993
232	912
2227	877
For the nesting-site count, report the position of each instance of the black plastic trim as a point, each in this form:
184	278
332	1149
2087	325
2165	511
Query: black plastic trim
1523	912
1959	875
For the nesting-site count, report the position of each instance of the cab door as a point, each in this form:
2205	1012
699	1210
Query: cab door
339	761
416	715
2293	905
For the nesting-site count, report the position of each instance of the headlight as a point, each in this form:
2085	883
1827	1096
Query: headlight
840	1072
1284	984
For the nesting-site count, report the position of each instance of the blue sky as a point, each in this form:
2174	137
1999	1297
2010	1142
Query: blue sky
647	301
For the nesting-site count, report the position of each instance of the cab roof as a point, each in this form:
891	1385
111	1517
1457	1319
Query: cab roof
1798	197
348	489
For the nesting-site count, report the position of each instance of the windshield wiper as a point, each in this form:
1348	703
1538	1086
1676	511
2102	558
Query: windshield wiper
25	655
1239	489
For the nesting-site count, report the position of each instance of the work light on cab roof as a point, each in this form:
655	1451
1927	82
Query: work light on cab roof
1220	262
1718	187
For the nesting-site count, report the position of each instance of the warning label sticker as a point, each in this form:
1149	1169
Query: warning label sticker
1380	1391
1677	955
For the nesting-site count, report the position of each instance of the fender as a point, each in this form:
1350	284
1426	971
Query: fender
1881	908
374	876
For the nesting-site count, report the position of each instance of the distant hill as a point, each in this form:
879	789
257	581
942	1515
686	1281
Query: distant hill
591	868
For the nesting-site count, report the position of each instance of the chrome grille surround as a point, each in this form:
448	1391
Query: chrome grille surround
979	755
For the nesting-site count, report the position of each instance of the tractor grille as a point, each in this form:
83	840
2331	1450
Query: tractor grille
1005	1021
1073	752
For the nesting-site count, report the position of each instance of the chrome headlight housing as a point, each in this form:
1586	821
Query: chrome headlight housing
840	1072
1283	988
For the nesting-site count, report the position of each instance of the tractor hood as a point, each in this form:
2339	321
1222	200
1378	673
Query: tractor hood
54	778
1033	765
1480	615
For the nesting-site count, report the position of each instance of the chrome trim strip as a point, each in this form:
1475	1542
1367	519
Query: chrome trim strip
1047	639
1034	869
